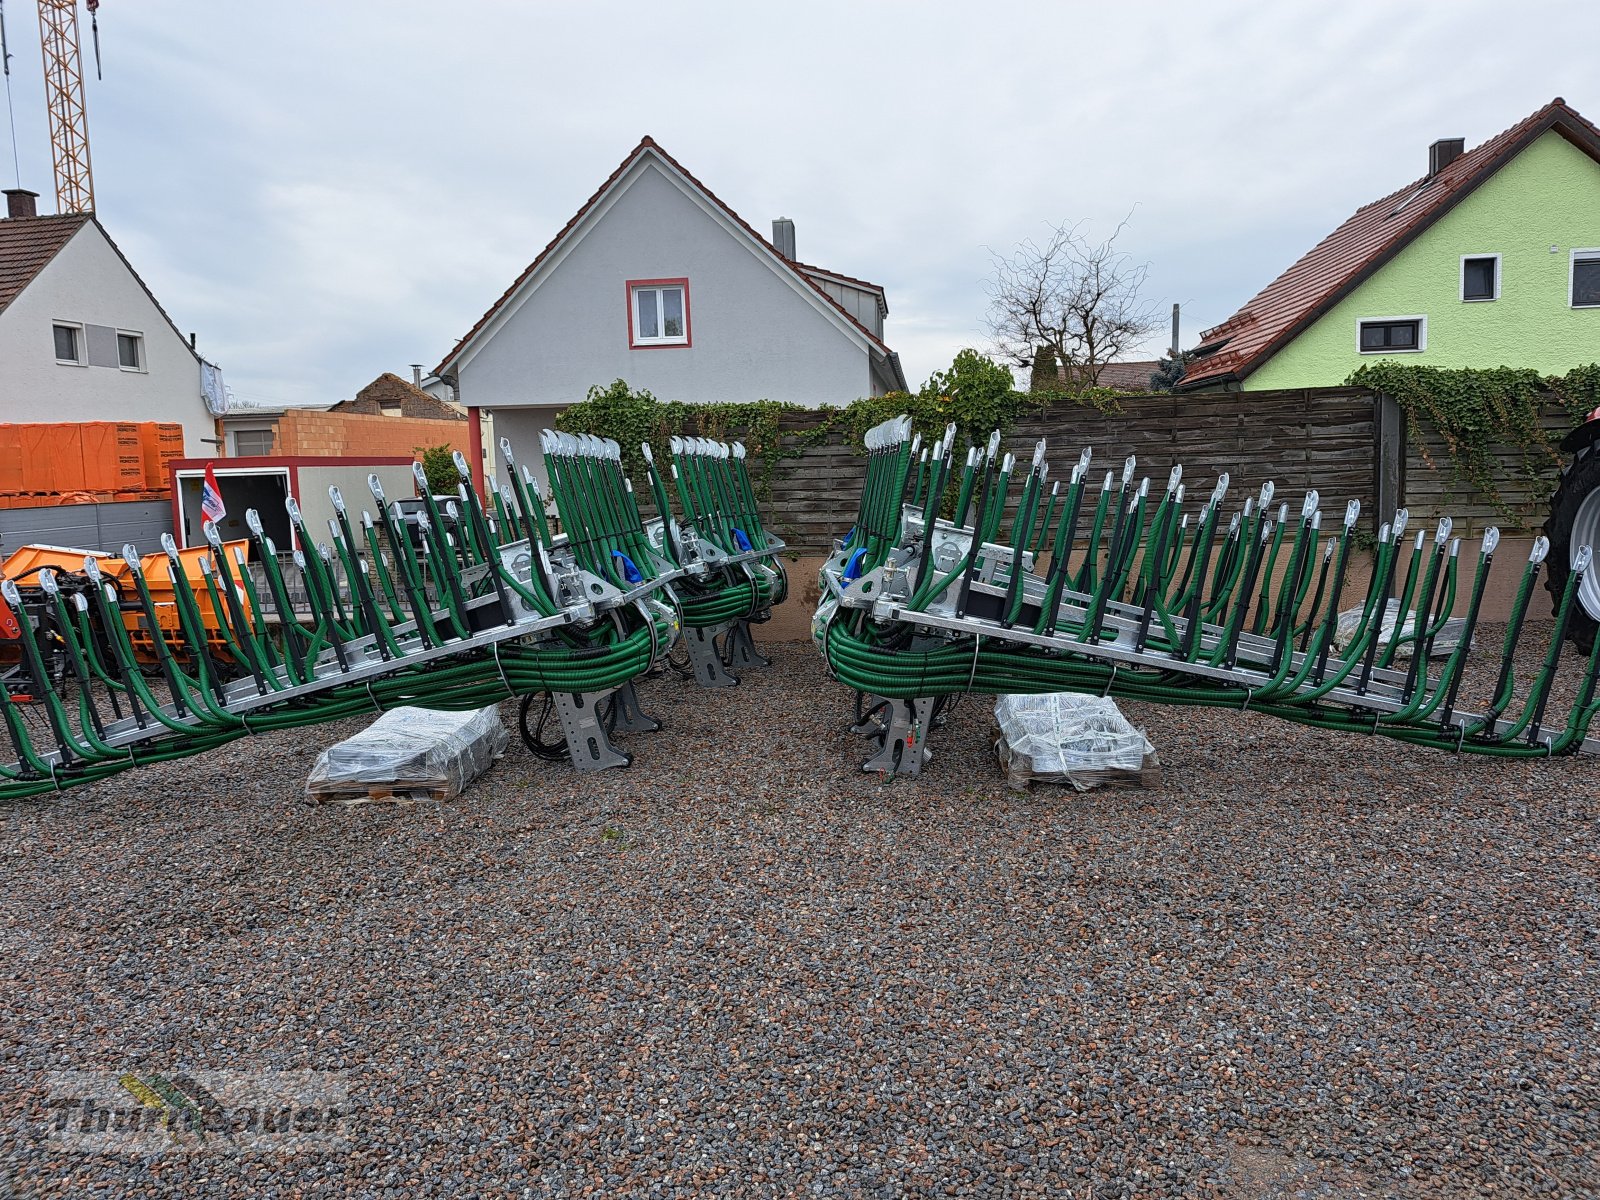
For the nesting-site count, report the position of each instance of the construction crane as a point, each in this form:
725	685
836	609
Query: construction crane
69	119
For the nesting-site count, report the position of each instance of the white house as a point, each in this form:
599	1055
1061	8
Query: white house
658	282
82	338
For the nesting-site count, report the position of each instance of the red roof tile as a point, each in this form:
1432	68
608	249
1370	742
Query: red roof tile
649	143
1370	238
1128	376
27	244
390	391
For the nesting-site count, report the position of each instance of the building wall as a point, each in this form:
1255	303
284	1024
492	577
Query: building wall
1548	196
521	426
755	334
328	434
87	283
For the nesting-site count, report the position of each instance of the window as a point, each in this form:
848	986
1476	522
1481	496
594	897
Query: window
1480	277
69	343
130	351
1392	335
1586	279
252	441
658	312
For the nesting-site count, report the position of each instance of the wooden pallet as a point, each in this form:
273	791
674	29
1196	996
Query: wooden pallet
383	793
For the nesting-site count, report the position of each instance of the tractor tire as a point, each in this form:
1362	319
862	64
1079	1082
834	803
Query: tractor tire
1575	521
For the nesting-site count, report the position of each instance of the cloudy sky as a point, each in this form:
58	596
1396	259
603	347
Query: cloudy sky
324	191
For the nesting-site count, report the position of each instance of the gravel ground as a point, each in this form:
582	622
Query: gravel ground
1305	965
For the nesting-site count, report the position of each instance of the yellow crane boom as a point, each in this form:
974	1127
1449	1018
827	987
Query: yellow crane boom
69	119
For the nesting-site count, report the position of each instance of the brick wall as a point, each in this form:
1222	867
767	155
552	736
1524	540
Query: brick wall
327	435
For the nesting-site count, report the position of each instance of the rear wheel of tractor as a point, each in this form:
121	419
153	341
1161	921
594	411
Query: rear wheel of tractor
1574	521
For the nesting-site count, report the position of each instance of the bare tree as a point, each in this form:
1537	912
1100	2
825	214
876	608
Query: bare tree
1073	302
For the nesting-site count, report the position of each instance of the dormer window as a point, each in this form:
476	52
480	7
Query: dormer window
658	313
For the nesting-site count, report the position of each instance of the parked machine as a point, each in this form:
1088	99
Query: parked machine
1574	522
1135	593
125	660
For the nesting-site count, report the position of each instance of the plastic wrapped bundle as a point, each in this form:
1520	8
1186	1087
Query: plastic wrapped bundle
1065	737
409	753
1444	643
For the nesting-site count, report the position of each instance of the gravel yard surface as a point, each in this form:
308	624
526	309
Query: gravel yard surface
1307	964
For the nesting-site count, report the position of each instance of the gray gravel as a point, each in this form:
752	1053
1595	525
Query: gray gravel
1307	965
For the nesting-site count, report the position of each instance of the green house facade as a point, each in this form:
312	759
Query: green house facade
1491	259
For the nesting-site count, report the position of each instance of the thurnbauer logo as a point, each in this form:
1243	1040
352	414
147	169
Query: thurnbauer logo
224	1112
182	1103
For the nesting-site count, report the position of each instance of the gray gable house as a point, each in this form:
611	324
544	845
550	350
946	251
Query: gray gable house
658	282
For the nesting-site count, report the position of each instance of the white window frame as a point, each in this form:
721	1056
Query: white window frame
636	287
1422	333
1465	258
1586	255
81	342
138	338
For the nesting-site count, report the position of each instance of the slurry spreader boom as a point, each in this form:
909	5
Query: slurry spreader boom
1127	592
724	560
473	607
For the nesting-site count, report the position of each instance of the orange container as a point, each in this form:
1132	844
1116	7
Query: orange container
10	459
120	464
38	465
70	475
160	442
98	440
39	468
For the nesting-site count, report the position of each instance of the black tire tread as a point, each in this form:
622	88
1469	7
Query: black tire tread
1579	478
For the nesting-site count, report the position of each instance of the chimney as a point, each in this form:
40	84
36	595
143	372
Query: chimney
416	374
20	203
1444	152
783	237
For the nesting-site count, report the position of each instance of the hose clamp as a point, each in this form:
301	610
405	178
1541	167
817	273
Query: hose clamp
498	666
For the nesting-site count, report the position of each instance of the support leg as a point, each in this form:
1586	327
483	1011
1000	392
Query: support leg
904	749
586	733
631	717
742	647
703	656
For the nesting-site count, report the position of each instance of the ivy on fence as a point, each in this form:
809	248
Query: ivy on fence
1478	412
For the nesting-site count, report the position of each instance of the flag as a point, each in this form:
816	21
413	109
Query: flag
211	506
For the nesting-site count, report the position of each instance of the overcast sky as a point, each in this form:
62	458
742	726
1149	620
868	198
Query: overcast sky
325	191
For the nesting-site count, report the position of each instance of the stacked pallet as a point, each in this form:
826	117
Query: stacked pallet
42	465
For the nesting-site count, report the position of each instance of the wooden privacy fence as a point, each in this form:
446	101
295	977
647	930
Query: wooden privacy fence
1348	443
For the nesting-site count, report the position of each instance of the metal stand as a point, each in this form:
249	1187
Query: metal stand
631	717
904	750
586	733
742	647
704	657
